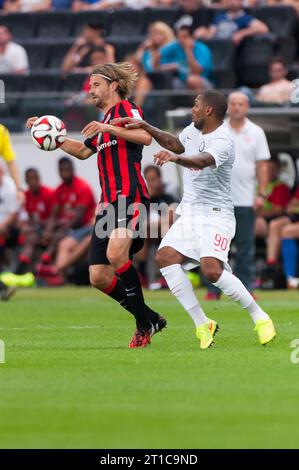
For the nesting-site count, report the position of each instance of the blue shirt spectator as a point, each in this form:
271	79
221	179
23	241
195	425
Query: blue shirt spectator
175	53
228	25
234	24
61	4
148	53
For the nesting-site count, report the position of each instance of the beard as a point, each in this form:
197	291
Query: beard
199	124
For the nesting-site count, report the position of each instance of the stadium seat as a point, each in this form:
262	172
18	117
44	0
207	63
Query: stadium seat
40	106
58	51
167	15
4	111
56	24
254	56
224	59
38	53
13	83
161	80
42	82
73	82
80	19
127	23
124	45
293	72
13	124
23	25
281	20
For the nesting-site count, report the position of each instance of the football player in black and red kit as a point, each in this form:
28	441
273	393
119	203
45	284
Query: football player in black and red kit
119	153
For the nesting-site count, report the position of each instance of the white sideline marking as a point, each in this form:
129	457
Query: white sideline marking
41	327
2	352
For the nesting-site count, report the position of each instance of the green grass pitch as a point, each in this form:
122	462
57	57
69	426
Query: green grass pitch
70	381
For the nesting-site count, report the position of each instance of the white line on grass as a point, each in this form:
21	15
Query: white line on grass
42	327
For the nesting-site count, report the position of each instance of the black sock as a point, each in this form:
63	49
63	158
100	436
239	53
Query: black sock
117	292
129	277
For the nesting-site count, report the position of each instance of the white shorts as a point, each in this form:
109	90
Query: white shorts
207	232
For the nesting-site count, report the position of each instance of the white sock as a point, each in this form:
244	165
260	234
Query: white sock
233	288
181	287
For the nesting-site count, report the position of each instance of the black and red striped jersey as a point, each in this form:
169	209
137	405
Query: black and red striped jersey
119	161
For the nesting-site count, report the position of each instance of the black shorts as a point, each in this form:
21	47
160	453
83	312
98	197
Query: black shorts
123	213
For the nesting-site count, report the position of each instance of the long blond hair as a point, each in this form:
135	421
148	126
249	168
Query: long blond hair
123	73
164	29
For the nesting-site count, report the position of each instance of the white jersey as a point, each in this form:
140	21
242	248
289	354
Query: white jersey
212	185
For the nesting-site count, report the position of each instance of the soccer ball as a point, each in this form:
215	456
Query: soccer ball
48	133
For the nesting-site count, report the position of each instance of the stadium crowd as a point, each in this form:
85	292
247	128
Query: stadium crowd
193	45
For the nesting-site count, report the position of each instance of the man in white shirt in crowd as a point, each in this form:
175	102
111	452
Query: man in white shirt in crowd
9	207
251	163
13	57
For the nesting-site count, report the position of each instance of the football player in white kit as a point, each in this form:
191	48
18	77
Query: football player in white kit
203	232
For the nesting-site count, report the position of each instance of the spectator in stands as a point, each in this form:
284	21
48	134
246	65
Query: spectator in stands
97	56
278	197
15	6
9	208
190	59
190	14
161	217
71	215
279	89
38	206
13	57
9	156
235	24
79	54
148	54
284	227
251	162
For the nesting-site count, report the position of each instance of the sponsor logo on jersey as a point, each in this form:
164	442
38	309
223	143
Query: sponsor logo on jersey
106	144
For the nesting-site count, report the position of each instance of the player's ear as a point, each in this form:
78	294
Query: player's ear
114	86
209	110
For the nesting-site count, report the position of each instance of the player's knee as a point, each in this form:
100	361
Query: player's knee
98	280
117	258
162	258
212	273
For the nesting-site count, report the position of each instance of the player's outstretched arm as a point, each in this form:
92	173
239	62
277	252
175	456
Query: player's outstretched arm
137	136
199	162
73	147
165	139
